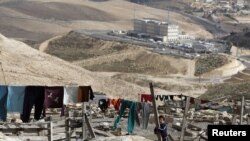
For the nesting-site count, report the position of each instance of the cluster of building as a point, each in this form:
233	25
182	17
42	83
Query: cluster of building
167	31
226	4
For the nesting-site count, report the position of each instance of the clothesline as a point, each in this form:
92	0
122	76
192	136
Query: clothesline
21	99
135	108
148	97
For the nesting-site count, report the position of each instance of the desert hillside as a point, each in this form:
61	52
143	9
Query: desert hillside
128	62
38	20
23	65
109	56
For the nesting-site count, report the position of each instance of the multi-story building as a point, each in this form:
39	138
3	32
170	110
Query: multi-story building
157	28
173	32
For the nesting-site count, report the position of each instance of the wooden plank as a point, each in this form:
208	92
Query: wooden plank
62	136
106	134
184	119
23	131
59	136
190	125
58	123
92	133
58	130
155	110
21	127
30	138
242	110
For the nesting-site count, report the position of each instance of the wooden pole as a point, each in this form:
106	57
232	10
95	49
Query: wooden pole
242	110
50	136
92	133
155	110
83	119
67	125
183	129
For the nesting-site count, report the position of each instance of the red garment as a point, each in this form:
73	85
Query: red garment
116	103
146	98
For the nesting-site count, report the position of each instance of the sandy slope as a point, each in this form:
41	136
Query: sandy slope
22	65
46	18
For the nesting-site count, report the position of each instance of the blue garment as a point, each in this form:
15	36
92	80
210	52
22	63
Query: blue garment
3	100
131	117
163	131
15	98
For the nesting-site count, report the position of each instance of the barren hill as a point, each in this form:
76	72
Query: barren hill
109	56
22	65
128	62
42	19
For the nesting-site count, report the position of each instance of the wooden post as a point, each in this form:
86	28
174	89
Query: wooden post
92	133
242	110
67	125
234	119
183	129
83	119
155	110
50	135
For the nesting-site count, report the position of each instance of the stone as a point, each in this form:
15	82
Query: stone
222	122
209	112
105	125
161	112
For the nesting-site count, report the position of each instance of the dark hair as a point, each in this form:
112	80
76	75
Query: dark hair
161	116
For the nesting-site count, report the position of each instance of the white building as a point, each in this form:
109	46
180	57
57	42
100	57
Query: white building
173	32
157	28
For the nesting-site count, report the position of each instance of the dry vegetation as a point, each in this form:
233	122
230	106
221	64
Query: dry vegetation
208	63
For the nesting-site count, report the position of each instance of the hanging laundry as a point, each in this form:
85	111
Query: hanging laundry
204	101
184	98
116	103
131	117
192	100
109	102
138	109
3	102
70	95
103	104
85	93
146	98
168	98
171	97
34	95
53	98
145	108
15	98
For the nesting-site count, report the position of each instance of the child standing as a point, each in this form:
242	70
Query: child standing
162	129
